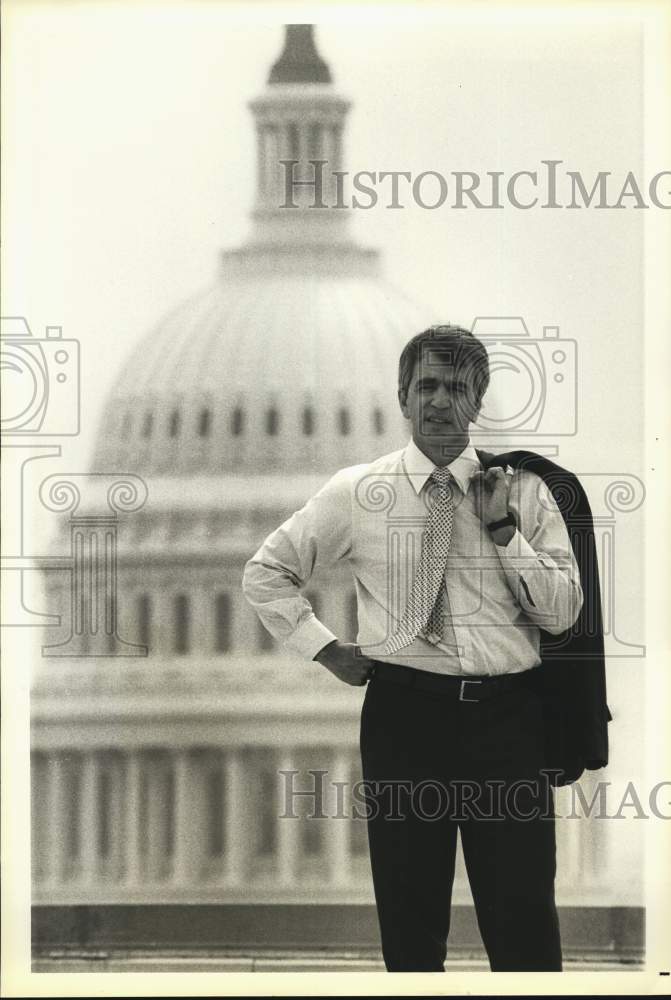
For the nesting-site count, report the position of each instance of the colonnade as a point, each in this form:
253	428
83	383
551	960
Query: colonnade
159	822
205	822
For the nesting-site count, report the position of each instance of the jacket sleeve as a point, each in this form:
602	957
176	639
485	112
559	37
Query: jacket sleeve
317	534
538	561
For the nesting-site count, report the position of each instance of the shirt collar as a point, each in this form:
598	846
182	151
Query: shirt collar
418	466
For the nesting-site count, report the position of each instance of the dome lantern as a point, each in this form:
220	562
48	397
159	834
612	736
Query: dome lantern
299	134
288	364
300	62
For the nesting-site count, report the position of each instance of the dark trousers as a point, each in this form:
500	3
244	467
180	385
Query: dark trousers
431	765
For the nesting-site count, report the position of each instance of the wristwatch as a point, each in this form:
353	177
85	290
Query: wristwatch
509	519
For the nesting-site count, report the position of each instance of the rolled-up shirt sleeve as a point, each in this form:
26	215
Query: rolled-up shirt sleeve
317	534
538	561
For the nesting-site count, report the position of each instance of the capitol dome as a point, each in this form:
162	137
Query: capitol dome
289	362
289	374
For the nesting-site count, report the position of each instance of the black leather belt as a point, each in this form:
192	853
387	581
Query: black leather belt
462	688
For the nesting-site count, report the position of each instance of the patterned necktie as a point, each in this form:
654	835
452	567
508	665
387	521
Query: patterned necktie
423	610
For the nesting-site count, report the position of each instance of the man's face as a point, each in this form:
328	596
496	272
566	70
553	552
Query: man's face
441	400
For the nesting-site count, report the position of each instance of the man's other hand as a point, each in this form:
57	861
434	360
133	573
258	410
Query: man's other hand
346	661
492	493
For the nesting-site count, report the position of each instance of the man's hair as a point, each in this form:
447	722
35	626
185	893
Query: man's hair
465	352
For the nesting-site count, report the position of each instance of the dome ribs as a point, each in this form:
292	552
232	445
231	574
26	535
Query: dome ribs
295	373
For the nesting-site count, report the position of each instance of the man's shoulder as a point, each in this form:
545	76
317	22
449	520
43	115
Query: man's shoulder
351	480
390	462
552	486
523	460
530	467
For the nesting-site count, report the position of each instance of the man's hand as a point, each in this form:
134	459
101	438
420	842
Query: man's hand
346	661
492	491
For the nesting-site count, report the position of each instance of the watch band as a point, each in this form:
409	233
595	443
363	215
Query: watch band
509	519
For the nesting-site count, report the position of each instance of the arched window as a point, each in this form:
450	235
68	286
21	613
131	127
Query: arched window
111	624
144	620
182	621
260	159
294	145
336	147
147	425
237	421
272	421
315	141
174	423
204	422
343	421
308	421
222	639
378	421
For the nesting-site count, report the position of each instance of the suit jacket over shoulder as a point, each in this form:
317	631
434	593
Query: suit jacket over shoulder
571	678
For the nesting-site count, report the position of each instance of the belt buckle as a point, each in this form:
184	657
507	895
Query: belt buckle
461	690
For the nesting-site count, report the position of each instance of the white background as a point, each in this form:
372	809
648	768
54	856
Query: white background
128	165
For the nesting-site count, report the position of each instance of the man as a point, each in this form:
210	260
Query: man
457	570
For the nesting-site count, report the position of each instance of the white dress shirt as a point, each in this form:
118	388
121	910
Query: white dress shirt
496	597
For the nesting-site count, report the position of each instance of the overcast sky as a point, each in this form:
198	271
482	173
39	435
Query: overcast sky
131	164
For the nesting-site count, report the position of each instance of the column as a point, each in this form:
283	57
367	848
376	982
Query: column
338	807
304	171
336	146
274	172
111	839
89	819
326	153
183	849
284	152
235	818
56	829
260	162
39	817
133	799
158	812
288	829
